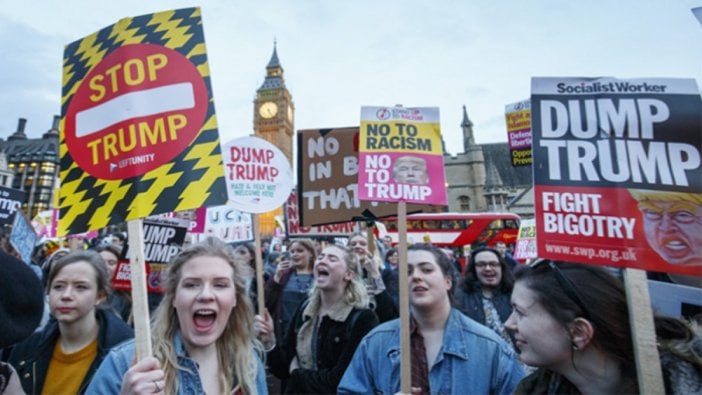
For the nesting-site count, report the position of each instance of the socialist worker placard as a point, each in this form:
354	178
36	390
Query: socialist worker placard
617	172
138	129
400	156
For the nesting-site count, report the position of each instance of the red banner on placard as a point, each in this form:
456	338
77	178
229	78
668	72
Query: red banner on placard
617	172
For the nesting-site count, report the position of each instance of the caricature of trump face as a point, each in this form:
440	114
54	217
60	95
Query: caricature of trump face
410	170
673	226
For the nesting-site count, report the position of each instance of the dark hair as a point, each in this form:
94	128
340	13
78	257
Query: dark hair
109	248
89	256
389	252
442	260
120	236
252	253
471	283
599	291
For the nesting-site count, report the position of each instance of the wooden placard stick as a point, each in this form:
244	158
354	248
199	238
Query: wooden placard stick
259	265
643	332
370	236
140	305
405	361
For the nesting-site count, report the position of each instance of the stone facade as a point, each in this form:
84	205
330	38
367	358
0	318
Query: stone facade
481	178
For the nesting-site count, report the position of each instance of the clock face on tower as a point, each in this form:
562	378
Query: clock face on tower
268	109
290	113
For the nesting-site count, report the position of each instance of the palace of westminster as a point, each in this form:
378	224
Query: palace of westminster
479	179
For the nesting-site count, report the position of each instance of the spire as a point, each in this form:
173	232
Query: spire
466	120
274	72
274	62
467	126
492	179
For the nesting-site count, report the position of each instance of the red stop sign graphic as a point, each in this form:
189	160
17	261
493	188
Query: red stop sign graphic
140	107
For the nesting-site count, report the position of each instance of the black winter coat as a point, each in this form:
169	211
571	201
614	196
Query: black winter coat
31	357
336	344
471	304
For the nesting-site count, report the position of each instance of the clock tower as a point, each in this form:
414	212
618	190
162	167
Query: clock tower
274	109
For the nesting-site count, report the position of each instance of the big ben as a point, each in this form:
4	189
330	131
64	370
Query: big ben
274	113
274	109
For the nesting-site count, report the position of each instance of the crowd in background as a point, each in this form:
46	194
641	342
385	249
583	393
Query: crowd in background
480	323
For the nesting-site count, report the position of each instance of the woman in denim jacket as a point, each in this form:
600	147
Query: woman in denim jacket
450	353
203	333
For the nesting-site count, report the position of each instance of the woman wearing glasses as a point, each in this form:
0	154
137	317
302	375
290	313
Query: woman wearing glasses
486	289
571	321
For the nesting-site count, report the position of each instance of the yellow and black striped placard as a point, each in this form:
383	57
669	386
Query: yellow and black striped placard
137	158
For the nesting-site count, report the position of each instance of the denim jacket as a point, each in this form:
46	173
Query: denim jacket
108	379
472	360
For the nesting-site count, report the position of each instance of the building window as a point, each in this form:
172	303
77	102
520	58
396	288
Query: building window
48	167
46	181
464	203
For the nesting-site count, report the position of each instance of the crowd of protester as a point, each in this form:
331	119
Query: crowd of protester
330	324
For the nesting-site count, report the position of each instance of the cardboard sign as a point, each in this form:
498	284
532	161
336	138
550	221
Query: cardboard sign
617	172
294	229
259	177
139	134
400	156
328	179
10	202
676	300
227	223
163	238
23	238
155	276
518	118
526	240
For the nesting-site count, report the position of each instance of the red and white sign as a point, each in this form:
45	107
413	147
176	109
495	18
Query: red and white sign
139	108
258	174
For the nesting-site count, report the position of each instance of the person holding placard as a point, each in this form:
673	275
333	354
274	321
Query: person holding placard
323	335
572	322
450	353
202	333
64	355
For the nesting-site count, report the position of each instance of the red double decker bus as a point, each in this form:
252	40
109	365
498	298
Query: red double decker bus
457	230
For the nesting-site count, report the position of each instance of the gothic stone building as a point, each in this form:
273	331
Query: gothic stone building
482	178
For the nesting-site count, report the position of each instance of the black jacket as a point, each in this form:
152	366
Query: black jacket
336	344
31	357
471	304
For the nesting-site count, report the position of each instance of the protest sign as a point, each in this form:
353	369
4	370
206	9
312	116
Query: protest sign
10	202
676	300
518	118
227	223
23	238
525	248
294	229
44	223
155	276
259	177
139	133
400	156
328	179
617	172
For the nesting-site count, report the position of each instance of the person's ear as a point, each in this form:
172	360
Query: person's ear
581	333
